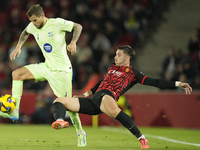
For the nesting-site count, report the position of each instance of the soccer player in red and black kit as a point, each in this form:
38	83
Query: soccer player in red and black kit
103	96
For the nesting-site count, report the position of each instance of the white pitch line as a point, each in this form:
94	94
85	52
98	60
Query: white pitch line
152	136
171	140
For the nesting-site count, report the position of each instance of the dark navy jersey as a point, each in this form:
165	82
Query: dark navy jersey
119	79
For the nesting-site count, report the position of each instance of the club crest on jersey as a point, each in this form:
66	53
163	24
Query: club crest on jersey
47	47
50	34
127	69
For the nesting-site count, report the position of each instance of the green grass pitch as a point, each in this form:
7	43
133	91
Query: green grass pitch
44	137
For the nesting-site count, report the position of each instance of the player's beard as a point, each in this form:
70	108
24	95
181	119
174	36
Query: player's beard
41	25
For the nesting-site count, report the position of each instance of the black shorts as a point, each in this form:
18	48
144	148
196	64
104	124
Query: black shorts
91	105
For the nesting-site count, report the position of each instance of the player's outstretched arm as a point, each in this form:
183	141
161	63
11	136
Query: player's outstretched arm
186	87
168	84
23	37
77	32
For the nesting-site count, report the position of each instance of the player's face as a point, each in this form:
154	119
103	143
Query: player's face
38	22
121	59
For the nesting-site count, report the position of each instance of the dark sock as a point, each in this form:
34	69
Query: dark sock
127	122
59	111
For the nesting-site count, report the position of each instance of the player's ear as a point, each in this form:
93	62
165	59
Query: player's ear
128	57
42	15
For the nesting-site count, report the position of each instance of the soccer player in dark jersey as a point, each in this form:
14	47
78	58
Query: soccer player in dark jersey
103	96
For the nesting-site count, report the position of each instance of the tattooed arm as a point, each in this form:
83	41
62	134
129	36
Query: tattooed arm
77	31
23	37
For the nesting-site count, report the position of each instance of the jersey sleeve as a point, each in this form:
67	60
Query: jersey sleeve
64	25
96	86
160	83
140	77
29	28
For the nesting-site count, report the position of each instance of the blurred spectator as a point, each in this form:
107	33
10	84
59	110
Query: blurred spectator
3	76
100	45
118	20
190	70
82	14
84	51
131	23
15	21
101	42
22	60
105	63
169	65
3	53
194	48
94	29
44	108
110	32
83	62
49	8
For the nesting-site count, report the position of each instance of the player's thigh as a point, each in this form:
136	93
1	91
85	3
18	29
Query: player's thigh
71	104
89	106
109	106
61	83
22	74
39	71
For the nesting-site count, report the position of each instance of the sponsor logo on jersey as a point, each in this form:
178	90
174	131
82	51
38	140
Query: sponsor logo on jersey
47	47
50	34
117	73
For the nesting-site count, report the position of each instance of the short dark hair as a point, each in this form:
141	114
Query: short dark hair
128	50
36	10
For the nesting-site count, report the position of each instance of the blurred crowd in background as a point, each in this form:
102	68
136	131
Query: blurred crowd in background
106	25
185	67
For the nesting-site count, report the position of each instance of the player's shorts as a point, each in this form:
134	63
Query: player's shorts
91	105
60	81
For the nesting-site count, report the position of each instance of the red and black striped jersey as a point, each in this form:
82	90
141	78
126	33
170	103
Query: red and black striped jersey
119	79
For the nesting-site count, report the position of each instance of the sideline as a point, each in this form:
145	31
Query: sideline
151	136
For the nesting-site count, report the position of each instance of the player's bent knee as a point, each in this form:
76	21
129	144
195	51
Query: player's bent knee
58	100
114	112
62	100
16	75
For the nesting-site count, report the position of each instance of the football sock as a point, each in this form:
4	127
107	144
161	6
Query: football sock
142	137
17	88
127	122
75	120
59	114
59	111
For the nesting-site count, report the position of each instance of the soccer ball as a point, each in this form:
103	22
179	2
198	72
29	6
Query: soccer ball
7	103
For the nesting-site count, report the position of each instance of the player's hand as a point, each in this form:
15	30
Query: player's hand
186	87
72	47
17	52
79	96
